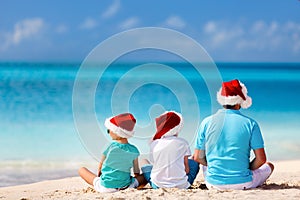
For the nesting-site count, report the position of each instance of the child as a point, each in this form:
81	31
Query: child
169	155
118	159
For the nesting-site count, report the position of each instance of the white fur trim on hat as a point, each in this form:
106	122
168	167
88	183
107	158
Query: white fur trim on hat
233	100
176	129
118	130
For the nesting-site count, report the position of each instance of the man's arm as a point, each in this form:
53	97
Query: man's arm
259	160
199	157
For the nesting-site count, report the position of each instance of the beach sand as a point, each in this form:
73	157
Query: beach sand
283	184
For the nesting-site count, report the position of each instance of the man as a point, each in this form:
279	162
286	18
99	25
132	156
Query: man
225	141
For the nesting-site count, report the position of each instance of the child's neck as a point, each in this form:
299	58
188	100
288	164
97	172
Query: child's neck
122	140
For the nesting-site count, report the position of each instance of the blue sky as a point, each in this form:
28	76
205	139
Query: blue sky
231	30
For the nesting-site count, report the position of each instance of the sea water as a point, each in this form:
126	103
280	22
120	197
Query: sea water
40	139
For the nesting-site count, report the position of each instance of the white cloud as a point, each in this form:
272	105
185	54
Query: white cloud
24	29
129	23
292	26
175	22
112	9
294	30
273	28
257	37
296	39
274	36
210	27
219	33
258	27
261	27
61	28
88	23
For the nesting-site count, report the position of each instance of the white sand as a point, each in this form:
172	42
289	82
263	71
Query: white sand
283	184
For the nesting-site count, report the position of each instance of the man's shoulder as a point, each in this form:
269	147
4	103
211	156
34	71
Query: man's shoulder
250	119
211	118
208	118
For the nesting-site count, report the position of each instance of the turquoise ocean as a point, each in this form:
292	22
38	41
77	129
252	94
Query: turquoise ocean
39	138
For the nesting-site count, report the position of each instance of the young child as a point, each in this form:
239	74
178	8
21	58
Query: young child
114	172
169	155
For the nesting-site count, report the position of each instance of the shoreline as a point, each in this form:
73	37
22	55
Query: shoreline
28	175
283	183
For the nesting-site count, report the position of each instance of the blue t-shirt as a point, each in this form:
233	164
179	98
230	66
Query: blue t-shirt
115	172
227	138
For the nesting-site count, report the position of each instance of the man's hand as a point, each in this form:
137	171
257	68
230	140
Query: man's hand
199	157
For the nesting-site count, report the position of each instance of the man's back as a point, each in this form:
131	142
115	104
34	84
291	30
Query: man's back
229	137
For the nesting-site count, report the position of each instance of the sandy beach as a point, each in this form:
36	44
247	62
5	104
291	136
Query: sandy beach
283	184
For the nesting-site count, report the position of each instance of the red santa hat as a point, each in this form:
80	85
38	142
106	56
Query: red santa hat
168	124
122	125
234	92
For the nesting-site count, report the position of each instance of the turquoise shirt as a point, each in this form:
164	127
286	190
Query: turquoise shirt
116	168
227	138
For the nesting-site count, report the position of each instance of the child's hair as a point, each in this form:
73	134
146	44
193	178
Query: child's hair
228	106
